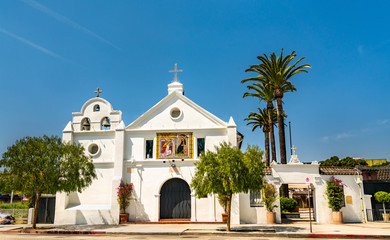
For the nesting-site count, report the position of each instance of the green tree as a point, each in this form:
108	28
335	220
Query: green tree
382	197
228	171
276	72
45	165
345	162
260	119
266	93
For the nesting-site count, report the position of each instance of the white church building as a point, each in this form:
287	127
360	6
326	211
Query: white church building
157	152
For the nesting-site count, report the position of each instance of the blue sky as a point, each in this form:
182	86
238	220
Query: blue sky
54	54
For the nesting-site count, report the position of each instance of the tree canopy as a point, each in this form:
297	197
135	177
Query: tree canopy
228	171
345	162
45	165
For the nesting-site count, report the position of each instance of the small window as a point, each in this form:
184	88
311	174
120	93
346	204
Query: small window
93	149
148	149
96	108
255	199
106	124
85	124
200	142
175	113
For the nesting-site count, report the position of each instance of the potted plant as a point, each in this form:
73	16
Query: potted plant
383	197
335	194
224	200
123	193
269	197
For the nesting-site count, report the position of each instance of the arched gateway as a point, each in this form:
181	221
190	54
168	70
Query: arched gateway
175	200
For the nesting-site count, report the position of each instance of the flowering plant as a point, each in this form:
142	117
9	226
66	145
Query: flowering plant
124	192
335	193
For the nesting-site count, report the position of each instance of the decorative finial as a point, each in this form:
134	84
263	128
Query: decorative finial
175	71
294	148
98	92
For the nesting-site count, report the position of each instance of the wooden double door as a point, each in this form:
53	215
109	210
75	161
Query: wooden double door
175	200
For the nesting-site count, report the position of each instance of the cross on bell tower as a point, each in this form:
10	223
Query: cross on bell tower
176	71
98	91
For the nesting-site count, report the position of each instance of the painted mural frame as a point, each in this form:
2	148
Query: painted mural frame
175	145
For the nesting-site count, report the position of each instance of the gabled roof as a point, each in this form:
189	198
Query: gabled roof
164	101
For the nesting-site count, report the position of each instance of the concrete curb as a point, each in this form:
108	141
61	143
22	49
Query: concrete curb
206	233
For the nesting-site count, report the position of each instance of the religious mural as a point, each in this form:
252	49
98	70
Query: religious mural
174	145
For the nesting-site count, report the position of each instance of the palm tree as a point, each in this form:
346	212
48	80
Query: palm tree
266	93
260	119
276	72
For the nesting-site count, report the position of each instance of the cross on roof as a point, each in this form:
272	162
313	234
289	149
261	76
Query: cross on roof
294	148
175	71
97	92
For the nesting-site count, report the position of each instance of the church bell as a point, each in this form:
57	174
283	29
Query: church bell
106	122
86	123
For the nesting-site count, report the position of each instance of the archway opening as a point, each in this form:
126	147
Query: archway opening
175	200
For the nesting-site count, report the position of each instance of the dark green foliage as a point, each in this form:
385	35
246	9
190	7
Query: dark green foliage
345	162
17	205
288	204
335	193
45	165
228	171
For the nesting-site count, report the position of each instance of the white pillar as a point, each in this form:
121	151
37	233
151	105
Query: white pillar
156	216
193	208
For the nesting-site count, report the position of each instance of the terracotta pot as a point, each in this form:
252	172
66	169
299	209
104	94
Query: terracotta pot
123	217
271	218
337	217
386	217
224	217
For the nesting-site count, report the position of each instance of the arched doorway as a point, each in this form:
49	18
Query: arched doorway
175	200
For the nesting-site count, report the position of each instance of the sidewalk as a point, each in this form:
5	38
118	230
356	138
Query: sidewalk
358	230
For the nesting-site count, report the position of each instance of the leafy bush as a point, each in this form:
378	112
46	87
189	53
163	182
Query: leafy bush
288	204
382	197
269	196
17	205
335	193
345	162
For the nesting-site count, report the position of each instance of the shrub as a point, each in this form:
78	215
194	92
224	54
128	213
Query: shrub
123	193
382	197
335	193
269	197
288	204
17	205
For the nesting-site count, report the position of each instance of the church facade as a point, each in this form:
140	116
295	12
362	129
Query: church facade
157	153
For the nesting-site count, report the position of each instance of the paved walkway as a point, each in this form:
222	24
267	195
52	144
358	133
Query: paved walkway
378	229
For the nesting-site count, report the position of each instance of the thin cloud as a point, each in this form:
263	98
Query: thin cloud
344	135
325	139
66	20
336	137
382	122
31	44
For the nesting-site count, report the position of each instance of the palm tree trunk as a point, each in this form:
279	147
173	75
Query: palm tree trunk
266	144
270	107
282	139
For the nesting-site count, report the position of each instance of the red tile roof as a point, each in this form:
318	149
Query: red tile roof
338	171
267	171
